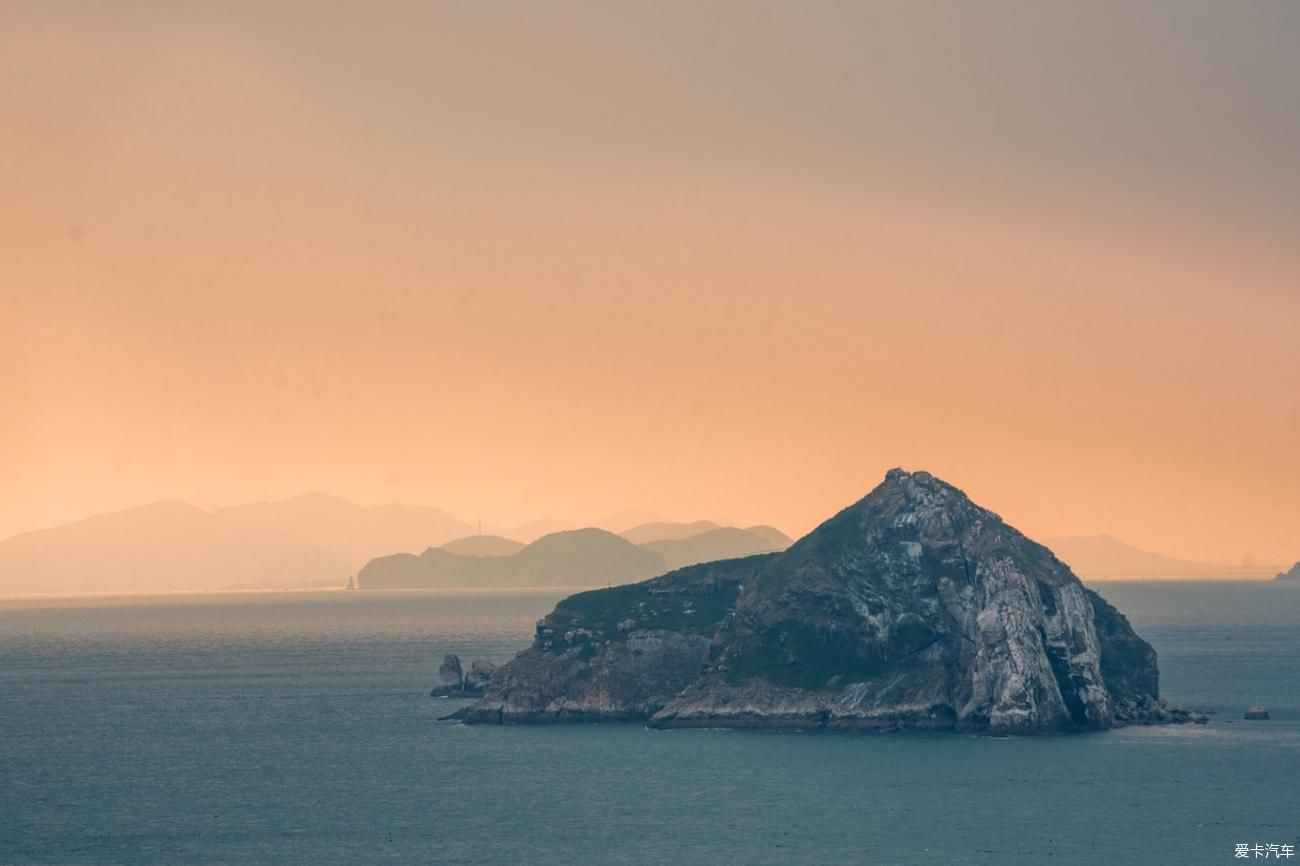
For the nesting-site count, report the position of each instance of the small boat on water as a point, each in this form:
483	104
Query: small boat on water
1257	714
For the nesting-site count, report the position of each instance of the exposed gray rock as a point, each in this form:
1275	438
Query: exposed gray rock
913	608
451	679
454	682
480	672
638	650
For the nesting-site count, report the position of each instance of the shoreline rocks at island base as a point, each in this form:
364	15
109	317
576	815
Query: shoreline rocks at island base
912	609
1146	710
455	682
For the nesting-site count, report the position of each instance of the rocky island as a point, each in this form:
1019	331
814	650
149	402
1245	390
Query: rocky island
1293	574
913	608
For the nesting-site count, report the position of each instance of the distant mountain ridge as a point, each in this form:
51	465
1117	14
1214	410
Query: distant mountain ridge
663	530
356	532
623	521
161	547
725	542
484	545
317	539
1100	556
529	532
775	537
311	540
170	546
575	557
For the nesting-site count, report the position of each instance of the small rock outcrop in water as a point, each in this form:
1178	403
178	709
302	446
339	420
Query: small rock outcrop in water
451	679
913	608
454	682
1293	574
1257	714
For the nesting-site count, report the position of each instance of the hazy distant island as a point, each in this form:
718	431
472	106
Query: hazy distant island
575	556
1293	574
913	608
1104	556
724	542
484	545
310	540
318	541
568	558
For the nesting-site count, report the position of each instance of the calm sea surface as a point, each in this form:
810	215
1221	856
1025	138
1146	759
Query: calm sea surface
297	728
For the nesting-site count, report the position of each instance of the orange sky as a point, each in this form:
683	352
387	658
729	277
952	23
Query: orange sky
726	264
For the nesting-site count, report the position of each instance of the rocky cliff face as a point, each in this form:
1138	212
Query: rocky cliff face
616	654
913	608
1293	574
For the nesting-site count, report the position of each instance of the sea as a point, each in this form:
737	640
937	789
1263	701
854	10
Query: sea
297	728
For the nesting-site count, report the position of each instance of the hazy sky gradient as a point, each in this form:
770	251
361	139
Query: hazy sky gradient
734	262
